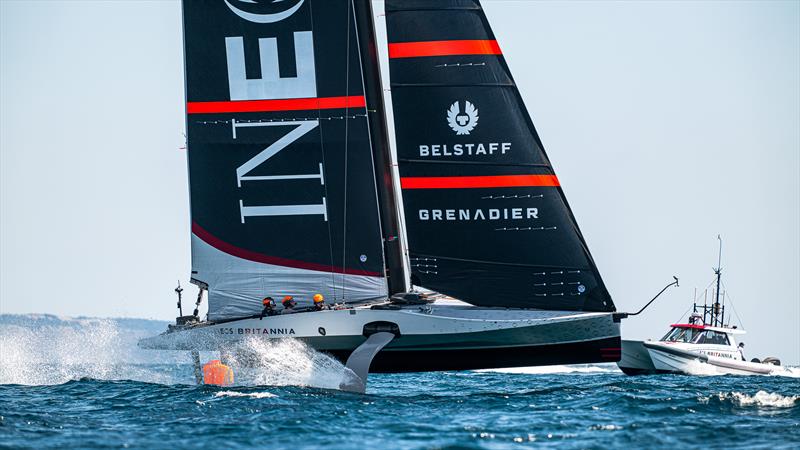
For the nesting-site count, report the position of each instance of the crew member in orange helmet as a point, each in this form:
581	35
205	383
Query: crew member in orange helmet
288	305
319	303
216	373
269	307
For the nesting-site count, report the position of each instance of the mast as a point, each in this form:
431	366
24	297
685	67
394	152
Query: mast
397	278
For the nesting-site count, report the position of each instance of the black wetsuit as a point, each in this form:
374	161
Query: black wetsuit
267	311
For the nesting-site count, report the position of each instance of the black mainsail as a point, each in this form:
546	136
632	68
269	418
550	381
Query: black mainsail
282	181
487	221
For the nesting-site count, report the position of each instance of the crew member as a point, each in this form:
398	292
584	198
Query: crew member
319	303
288	305
269	307
216	373
741	350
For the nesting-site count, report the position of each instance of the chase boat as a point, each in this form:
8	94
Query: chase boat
693	349
705	345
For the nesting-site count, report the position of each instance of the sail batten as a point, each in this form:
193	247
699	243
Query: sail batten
487	220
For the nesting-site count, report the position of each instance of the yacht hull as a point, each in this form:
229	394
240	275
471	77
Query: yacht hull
429	338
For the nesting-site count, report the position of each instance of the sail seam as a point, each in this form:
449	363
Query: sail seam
449	85
483	261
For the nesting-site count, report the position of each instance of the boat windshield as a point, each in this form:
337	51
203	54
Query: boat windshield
680	335
711	337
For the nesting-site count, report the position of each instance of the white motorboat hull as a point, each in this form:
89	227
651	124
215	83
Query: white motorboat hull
429	337
669	358
635	359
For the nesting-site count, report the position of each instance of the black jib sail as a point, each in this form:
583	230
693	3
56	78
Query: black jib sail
487	221
283	195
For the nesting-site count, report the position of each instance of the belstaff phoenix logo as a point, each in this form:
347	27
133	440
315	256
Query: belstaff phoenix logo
462	123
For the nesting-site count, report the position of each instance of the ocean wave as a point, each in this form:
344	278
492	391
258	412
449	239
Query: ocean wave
760	398
539	370
244	394
787	371
606	427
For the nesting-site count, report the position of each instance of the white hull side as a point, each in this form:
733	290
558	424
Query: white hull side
636	359
429	327
670	359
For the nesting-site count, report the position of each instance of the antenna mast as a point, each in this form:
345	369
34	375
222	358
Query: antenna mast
719	313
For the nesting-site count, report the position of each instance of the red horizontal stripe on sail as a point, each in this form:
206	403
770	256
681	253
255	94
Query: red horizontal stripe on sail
230	249
444	48
292	104
494	181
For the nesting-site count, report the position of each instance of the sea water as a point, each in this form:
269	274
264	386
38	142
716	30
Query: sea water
83	383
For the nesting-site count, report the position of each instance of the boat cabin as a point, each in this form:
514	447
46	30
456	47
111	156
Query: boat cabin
692	333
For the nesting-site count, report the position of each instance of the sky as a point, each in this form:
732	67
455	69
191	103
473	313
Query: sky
668	123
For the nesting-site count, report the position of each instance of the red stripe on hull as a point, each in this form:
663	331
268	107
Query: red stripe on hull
443	48
230	249
494	181
294	104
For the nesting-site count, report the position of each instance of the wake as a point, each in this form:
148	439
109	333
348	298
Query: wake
52	351
45	350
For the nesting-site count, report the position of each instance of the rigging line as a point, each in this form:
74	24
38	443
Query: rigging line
684	314
324	186
346	139
730	300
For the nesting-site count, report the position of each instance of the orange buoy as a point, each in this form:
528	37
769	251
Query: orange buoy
216	373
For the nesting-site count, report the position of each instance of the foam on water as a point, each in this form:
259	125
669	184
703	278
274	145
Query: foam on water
244	394
760	398
286	362
578	368
787	371
39	353
54	351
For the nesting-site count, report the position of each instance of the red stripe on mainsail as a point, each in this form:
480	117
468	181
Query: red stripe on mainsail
493	181
230	249
293	104
444	48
